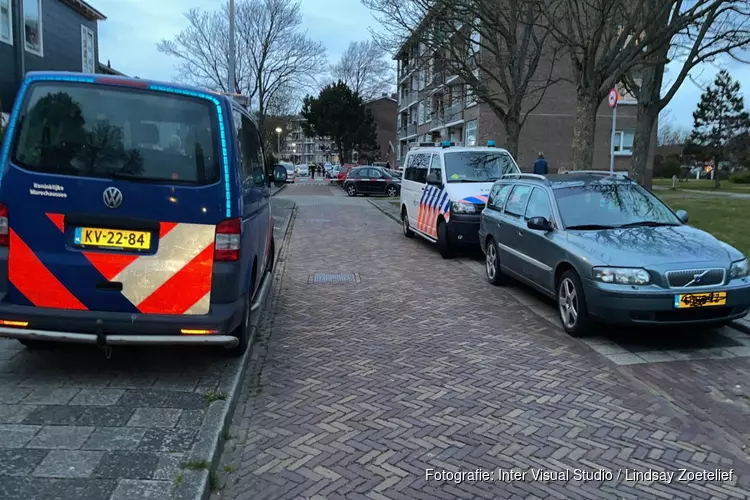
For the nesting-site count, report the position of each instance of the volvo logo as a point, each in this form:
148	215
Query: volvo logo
112	197
696	278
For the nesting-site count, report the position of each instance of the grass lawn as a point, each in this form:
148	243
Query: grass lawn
724	217
705	185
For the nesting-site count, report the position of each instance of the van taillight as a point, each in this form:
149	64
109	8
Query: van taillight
4	238
227	246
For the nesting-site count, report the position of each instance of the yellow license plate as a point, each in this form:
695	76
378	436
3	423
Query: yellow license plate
690	300
112	238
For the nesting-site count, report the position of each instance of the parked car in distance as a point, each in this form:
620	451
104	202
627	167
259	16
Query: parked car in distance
162	240
369	180
605	249
303	170
291	171
343	172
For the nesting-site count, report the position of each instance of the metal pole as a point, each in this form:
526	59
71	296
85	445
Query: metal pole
278	142
612	142
230	77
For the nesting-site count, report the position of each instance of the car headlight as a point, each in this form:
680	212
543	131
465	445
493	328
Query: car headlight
461	207
622	275
739	269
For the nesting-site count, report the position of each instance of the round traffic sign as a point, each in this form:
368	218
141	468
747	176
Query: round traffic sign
613	97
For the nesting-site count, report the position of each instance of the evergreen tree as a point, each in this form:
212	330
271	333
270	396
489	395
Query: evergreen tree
717	121
339	113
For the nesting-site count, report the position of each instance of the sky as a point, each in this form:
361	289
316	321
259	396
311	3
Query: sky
129	36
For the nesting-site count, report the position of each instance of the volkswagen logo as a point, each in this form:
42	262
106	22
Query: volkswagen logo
112	197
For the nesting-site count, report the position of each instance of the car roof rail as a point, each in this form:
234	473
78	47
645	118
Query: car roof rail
523	175
604	173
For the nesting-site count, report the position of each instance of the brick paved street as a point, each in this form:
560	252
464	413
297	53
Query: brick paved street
76	426
357	387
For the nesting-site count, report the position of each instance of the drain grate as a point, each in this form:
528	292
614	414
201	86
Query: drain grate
333	278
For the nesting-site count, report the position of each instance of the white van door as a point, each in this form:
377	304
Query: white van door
413	183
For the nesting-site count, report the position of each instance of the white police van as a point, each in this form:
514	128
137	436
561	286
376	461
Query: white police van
444	190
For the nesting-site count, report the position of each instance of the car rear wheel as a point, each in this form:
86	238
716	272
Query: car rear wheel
492	265
571	303
243	330
351	190
405	224
391	191
443	242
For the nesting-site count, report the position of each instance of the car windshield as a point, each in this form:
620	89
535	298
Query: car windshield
98	131
604	205
478	166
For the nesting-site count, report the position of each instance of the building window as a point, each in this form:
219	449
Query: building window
420	113
6	23
474	46
623	142
427	111
471	133
32	23
87	50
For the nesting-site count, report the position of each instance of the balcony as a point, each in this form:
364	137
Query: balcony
437	119
411	129
455	112
405	70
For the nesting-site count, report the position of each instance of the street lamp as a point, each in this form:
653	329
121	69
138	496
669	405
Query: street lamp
278	139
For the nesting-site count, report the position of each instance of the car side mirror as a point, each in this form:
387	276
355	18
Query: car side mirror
279	175
432	179
539	224
682	215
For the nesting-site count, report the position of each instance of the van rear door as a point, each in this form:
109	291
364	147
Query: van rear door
112	196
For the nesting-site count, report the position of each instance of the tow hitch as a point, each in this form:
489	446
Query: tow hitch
101	339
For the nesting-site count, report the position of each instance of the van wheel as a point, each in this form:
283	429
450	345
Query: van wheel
492	265
444	246
405	224
351	190
243	330
571	304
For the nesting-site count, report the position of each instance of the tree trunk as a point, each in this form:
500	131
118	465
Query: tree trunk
584	130
512	134
644	128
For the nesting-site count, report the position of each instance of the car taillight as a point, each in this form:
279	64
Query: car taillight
4	238
227	245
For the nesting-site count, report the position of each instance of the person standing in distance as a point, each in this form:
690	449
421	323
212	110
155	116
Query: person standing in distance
541	166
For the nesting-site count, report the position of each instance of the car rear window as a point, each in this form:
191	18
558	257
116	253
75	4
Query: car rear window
110	132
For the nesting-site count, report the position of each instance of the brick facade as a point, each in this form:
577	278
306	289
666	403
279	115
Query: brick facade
548	129
383	110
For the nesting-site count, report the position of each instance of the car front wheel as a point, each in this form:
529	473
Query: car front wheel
571	303
492	265
391	191
351	190
405	224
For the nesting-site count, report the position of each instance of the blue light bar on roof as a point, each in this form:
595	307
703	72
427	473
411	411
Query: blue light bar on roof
490	144
446	144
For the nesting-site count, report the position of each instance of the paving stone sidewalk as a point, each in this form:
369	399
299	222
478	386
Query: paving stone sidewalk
417	364
74	425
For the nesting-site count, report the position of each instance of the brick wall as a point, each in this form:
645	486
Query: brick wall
384	112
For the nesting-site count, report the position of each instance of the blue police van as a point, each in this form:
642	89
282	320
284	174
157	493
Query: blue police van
132	212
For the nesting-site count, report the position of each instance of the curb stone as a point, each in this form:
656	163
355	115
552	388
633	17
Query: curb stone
742	325
209	445
384	211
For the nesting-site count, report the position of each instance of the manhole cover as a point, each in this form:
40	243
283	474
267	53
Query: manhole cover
317	220
333	278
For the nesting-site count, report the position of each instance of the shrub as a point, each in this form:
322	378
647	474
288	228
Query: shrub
740	178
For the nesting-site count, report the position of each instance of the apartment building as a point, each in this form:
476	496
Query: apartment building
301	149
435	105
383	109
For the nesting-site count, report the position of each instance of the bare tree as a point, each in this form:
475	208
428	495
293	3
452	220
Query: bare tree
671	136
280	55
365	69
500	49
202	52
723	29
275	61
605	40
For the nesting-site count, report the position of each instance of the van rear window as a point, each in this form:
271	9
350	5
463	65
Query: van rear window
112	132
